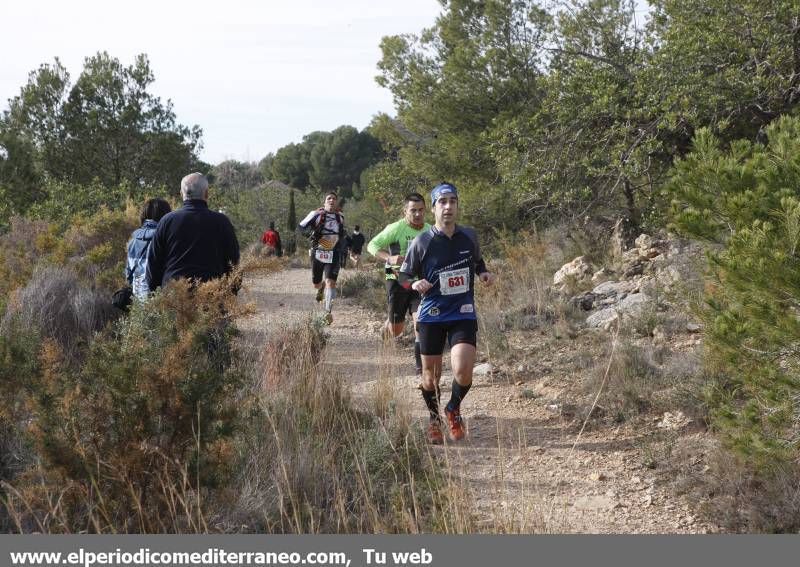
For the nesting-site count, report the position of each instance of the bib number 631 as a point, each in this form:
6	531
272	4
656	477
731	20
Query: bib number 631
454	282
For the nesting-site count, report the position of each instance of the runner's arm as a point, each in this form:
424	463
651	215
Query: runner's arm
480	267
306	221
412	268
379	245
155	260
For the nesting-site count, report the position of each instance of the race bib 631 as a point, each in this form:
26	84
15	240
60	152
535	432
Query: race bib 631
454	282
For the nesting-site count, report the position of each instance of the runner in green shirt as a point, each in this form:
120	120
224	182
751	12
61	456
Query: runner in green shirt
390	245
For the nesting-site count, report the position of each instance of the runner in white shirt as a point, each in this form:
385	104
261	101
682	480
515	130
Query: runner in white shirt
325	226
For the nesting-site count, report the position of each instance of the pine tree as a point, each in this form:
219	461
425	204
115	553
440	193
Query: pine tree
290	244
746	201
291	221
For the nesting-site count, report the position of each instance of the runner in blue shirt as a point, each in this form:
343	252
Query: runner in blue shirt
445	260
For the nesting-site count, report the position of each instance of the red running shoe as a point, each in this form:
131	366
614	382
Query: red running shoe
435	436
456	424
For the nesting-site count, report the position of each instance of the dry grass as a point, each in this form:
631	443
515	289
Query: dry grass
367	287
317	464
522	298
60	307
730	492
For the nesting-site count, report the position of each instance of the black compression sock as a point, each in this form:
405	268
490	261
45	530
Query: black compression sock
418	358
459	393
432	401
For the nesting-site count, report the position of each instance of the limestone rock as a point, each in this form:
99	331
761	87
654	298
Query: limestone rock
633	303
484	369
644	241
669	276
601	275
578	270
583	301
617	289
673	420
603	319
633	269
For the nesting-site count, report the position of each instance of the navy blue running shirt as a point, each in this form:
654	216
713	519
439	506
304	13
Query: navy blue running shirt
450	265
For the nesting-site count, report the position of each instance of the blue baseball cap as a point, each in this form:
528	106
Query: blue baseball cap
441	190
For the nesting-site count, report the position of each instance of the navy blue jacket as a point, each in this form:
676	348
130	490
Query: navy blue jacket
450	265
192	242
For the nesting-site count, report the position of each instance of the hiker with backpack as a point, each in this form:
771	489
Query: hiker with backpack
271	239
325	228
139	244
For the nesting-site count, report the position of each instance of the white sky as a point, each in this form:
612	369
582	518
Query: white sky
254	75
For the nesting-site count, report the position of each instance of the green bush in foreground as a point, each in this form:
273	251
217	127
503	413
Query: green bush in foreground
746	200
126	434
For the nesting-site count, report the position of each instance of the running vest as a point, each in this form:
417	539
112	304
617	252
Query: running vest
327	228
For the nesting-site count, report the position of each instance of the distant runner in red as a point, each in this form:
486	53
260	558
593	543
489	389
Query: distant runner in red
272	240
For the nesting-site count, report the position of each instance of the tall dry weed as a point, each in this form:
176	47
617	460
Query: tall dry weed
318	463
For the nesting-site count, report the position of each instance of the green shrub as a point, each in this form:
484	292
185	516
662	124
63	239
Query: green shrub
746	200
147	417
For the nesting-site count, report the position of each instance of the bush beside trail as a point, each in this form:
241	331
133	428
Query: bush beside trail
146	416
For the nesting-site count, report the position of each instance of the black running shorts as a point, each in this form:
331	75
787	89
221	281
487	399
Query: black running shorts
433	335
402	301
330	270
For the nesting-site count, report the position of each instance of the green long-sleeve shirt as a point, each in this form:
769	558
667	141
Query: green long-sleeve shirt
395	238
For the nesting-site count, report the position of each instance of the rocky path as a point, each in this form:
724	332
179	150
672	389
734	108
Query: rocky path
526	467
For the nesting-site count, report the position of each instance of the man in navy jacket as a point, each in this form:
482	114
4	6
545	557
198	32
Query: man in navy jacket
192	242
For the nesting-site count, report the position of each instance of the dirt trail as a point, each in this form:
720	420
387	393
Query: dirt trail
518	458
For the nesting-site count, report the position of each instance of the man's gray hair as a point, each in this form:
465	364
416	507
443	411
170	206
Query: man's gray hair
194	186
